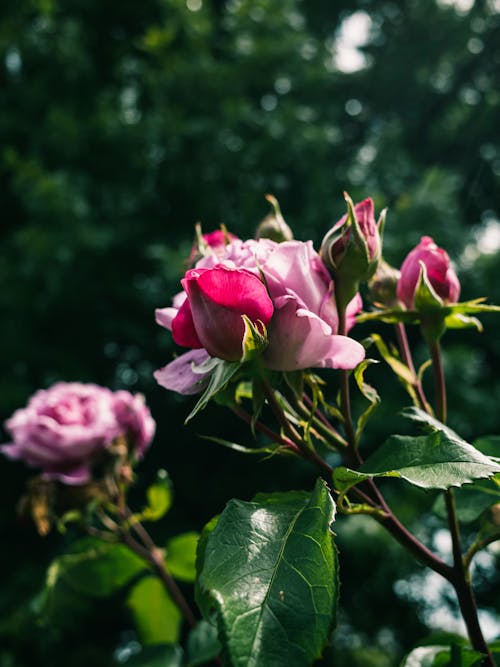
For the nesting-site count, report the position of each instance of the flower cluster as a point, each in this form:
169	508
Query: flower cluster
64	428
283	288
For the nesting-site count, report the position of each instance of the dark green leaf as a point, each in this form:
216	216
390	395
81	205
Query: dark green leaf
269	573
202	644
471	500
156	617
435	461
181	556
95	568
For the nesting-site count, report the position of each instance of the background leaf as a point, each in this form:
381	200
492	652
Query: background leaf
270	576
181	556
156	617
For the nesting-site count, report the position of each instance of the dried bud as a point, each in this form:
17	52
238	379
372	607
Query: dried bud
383	285
274	226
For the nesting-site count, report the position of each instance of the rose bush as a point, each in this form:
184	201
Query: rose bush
441	276
62	429
302	331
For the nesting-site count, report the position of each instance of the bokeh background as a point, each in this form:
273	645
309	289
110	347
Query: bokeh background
123	123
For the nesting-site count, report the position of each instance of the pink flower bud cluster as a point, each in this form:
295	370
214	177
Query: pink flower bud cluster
62	429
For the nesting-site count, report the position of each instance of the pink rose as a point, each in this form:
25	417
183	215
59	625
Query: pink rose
439	272
63	428
211	316
303	328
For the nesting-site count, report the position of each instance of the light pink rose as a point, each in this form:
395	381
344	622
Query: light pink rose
63	428
302	331
441	276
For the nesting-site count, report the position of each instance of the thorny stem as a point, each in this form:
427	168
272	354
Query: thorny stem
461	576
303	450
404	348
345	399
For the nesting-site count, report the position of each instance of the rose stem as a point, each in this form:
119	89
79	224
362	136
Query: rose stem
407	358
461	576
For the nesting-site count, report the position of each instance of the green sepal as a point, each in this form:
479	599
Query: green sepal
254	341
369	392
221	372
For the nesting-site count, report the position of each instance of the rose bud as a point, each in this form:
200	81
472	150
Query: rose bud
383	285
212	243
64	429
212	315
440	275
274	226
351	249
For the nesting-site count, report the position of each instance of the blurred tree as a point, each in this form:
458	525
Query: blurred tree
123	123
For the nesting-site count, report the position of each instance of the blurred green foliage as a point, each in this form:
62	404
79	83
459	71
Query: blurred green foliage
122	124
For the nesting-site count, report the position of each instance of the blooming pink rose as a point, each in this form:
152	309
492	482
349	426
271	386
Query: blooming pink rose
302	331
211	316
439	272
63	428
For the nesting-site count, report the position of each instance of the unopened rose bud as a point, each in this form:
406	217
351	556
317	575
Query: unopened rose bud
383	285
212	243
441	277
274	226
351	249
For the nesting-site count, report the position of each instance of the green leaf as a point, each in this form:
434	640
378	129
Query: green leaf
95	568
201	597
181	556
156	617
390	316
434	461
159	496
269	574
167	655
221	372
471	500
202	644
368	392
442	656
399	368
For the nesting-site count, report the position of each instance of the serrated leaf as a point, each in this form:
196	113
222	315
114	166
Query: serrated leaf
369	392
434	461
269	575
221	372
156	617
202	644
181	556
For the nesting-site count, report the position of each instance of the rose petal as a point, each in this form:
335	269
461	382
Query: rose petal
178	374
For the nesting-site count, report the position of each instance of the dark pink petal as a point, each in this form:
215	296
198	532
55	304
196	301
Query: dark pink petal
183	329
